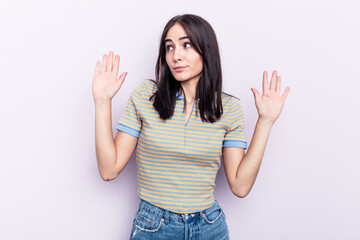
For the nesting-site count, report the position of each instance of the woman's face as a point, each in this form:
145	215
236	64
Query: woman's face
184	61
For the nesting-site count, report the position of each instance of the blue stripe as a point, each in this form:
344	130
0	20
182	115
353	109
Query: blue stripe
175	169
128	130
173	149
235	143
156	160
180	142
172	192
176	202
165	136
177	158
193	177
184	185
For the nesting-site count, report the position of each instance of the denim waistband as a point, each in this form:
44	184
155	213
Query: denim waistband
178	217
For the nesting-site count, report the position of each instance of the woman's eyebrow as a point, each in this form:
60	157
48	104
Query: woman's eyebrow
181	38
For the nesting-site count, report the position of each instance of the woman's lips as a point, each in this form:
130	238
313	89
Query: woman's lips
179	69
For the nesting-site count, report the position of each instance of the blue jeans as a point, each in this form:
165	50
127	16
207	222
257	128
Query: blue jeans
152	222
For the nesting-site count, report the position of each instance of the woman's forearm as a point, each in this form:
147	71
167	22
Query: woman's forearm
250	164
104	141
269	106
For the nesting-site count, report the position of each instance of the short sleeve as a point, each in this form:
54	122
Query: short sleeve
130	122
235	136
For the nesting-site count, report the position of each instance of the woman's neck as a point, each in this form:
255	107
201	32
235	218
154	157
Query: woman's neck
189	87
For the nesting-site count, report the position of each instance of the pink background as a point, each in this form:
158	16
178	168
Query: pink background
308	184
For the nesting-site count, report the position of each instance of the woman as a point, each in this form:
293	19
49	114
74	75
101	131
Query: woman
182	124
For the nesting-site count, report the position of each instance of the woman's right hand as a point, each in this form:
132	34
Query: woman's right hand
105	82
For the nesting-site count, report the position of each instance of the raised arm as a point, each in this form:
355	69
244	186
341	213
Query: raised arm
241	169
112	156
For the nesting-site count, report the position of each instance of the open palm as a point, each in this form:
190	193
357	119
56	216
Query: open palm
105	82
270	104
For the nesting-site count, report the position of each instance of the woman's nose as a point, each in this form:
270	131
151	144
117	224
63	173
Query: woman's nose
177	54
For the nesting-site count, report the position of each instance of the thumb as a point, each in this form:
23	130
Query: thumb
121	79
256	94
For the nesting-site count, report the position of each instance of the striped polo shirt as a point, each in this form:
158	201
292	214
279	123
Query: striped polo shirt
177	162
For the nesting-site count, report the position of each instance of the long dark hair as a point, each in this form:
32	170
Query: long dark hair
203	39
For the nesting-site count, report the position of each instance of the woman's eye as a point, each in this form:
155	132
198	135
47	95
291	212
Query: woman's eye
187	45
169	47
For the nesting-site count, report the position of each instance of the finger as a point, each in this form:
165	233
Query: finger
110	62
278	85
256	94
286	92
103	64
97	68
121	79
273	81
116	64
265	84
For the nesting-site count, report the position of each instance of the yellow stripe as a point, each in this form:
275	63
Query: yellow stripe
221	130
205	128
187	147
179	174
140	146
172	169
174	122
182	138
185	204
124	121
184	151
174	190
177	199
182	129
182	141
212	185
178	178
174	194
130	109
148	131
215	167
235	138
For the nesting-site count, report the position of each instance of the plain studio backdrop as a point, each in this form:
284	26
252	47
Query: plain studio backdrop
308	184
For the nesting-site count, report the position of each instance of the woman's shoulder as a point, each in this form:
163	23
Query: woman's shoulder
146	87
231	104
149	84
228	99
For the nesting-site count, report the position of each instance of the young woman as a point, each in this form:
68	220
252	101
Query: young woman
182	125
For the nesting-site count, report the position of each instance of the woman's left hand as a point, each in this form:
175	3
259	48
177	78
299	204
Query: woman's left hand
270	104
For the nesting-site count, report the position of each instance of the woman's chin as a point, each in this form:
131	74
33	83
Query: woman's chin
182	80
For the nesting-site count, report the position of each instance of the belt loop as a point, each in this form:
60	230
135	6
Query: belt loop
201	214
166	217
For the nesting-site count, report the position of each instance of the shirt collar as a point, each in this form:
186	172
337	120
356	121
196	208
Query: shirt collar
179	96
